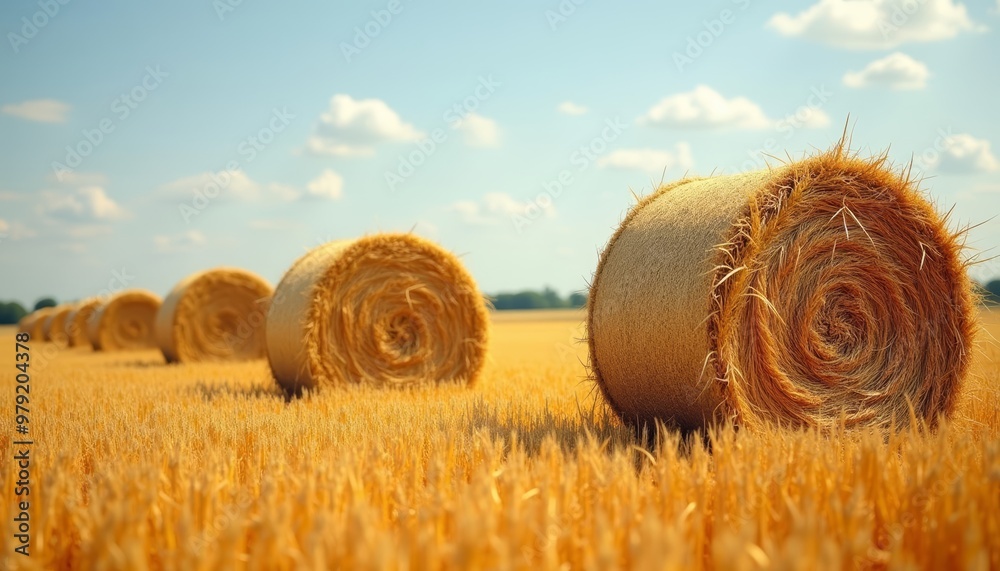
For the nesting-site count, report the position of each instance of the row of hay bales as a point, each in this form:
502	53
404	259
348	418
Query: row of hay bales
822	292
390	309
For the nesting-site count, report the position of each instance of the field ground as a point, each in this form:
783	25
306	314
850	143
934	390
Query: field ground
141	465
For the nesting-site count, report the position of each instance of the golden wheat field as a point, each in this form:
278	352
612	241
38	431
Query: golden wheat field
141	465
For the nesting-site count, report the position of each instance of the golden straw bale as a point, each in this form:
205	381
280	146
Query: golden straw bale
76	322
387	309
215	315
822	290
125	321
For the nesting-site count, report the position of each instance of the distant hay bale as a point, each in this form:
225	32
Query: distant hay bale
126	321
215	315
76	322
821	290
53	328
24	324
388	309
36	325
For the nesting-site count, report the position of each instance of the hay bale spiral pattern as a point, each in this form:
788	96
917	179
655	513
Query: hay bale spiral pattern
124	322
389	309
215	315
823	291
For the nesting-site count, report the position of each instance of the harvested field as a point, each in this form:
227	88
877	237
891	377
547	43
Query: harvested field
144	465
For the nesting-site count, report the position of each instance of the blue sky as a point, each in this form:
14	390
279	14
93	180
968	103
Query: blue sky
157	139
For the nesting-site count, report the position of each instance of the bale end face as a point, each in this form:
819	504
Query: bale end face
214	316
831	292
387	310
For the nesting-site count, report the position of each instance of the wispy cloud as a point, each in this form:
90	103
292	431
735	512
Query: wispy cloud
652	161
964	154
182	242
875	24
87	203
895	71
479	131
496	208
328	185
705	107
570	108
38	110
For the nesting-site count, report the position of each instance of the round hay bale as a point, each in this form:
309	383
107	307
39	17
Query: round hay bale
76	322
822	291
215	315
125	322
24	324
388	309
36	327
54	326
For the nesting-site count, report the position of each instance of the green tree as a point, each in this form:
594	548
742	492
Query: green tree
552	298
577	299
11	312
45	302
992	293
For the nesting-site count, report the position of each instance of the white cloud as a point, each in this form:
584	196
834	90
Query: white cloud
479	131
328	185
82	231
964	153
88	203
806	116
219	185
896	71
570	108
75	178
351	126
652	161
705	107
284	192
40	110
15	231
179	242
875	24
8	196
498	207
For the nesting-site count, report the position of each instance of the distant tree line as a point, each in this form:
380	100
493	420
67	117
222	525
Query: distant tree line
11	311
990	292
548	298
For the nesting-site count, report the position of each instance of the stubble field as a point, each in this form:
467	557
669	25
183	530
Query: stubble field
140	465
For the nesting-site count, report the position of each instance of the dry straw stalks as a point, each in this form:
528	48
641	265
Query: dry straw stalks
388	309
818	292
215	315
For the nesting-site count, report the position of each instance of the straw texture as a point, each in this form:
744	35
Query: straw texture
215	315
125	322
388	309
823	291
36	325
54	327
76	322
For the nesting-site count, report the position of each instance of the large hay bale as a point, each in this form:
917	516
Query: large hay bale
821	290
53	328
215	315
76	322
388	309
126	321
36	326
